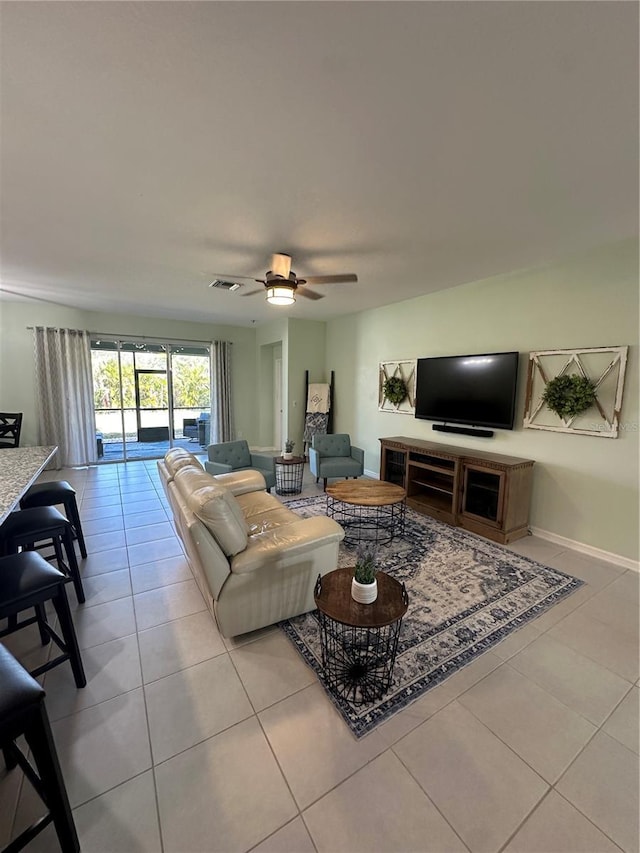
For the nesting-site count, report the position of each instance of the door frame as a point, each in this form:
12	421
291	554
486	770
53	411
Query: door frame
136	373
278	412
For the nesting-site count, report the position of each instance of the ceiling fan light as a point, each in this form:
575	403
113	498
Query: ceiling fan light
280	294
281	265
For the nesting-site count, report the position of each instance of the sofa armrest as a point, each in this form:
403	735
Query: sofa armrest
264	461
217	468
242	482
357	453
290	540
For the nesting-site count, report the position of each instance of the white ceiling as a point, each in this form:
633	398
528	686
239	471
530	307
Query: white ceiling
148	146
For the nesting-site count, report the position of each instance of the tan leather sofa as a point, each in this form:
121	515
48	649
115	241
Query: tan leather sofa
255	561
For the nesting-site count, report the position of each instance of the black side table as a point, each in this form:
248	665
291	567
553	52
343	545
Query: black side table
289	474
359	641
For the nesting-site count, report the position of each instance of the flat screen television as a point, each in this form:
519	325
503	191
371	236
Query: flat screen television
477	390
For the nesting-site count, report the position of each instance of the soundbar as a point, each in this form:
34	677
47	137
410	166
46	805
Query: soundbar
479	433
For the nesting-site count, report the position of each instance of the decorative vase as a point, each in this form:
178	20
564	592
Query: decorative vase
286	455
364	593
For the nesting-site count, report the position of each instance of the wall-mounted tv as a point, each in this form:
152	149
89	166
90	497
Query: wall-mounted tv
477	390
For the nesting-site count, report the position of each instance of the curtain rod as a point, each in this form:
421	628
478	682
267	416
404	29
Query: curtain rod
121	337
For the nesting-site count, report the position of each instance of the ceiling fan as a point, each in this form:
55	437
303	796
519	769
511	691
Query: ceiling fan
281	284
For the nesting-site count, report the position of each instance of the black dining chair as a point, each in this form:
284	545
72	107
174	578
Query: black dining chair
10	426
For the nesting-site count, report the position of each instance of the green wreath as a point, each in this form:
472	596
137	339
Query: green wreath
395	390
569	395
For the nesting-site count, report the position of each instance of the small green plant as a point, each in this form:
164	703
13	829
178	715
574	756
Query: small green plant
569	395
395	390
365	568
289	445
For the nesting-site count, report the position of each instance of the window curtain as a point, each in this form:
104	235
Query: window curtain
222	428
64	389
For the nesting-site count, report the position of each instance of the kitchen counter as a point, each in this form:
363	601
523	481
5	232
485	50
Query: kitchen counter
19	468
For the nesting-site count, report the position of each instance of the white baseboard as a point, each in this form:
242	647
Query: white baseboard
590	550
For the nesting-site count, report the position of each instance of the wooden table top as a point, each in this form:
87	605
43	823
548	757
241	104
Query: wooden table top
366	492
295	460
335	601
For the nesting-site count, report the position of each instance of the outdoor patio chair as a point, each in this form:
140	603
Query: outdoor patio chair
190	428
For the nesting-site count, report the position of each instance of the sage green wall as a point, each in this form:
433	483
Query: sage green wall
17	375
272	341
585	488
301	344
306	352
266	394
17	380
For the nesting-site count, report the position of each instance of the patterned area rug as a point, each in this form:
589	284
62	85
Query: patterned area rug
465	595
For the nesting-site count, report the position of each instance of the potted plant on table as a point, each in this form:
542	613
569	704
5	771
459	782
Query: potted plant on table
288	449
364	587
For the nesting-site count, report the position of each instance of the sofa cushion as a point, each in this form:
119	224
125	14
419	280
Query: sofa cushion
264	512
288	542
216	507
341	466
190	477
241	482
257	503
178	458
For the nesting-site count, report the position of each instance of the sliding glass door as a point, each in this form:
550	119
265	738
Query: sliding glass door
191	395
150	396
110	399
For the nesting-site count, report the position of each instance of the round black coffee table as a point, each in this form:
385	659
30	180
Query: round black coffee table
359	641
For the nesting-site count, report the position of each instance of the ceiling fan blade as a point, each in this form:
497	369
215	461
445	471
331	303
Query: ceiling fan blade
253	292
310	294
222	277
330	279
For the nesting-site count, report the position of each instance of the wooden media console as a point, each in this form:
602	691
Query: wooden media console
484	492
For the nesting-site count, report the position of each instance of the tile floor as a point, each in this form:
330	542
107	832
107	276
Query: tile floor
183	741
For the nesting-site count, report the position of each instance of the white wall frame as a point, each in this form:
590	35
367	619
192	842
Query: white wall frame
604	366
402	369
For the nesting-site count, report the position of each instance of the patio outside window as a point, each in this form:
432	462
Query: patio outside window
149	396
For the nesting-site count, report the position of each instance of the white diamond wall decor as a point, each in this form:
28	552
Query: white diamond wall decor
603	366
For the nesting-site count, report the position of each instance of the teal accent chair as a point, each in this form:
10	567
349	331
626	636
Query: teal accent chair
333	455
235	456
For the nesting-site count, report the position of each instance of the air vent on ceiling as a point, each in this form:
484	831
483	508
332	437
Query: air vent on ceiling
225	285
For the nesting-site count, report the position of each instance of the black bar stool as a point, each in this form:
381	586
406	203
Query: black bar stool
27	527
23	712
55	493
26	581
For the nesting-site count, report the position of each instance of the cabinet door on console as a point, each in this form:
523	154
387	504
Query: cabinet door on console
483	491
393	466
